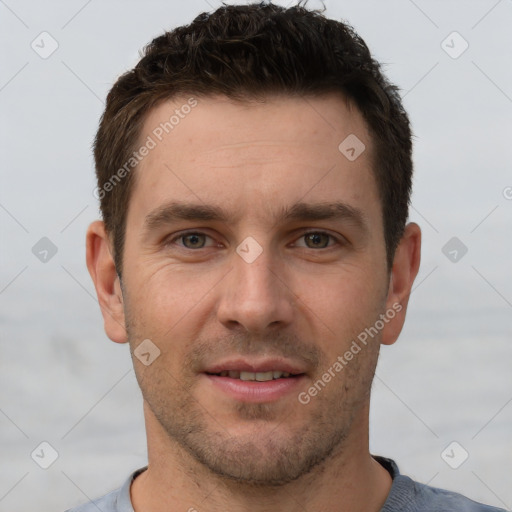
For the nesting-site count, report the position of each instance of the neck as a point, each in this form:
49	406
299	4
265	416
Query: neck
350	480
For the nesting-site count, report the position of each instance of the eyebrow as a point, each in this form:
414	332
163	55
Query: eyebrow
300	211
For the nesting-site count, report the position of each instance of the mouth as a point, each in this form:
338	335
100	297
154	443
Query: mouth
256	376
255	382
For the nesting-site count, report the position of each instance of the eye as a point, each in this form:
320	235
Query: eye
318	240
191	240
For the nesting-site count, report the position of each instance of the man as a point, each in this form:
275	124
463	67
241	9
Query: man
254	172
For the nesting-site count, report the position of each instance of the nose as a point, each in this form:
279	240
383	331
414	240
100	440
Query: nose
256	295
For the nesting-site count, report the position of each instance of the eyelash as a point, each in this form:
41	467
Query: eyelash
336	240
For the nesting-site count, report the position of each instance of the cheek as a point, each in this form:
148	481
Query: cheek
341	305
165	299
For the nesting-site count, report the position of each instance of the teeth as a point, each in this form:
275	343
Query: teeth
255	376
264	376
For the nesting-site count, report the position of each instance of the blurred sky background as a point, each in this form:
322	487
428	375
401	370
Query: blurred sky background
447	379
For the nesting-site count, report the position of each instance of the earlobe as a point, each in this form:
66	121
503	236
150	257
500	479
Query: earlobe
106	281
406	264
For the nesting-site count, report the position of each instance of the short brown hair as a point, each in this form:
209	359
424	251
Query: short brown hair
245	52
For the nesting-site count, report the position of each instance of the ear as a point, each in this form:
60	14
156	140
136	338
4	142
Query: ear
406	264
106	281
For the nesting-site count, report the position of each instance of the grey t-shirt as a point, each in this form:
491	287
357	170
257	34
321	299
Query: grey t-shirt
405	495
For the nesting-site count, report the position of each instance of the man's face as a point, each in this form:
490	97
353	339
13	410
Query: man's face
271	287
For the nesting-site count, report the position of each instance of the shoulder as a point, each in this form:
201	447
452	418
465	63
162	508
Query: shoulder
115	501
428	498
107	503
407	495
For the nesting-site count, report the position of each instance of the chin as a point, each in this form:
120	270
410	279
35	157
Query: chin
263	455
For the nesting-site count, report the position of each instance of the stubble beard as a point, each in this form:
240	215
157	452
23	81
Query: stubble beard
274	452
271	455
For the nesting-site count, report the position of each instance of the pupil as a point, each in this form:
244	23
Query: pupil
193	240
316	238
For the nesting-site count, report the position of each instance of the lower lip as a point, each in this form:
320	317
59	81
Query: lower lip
256	392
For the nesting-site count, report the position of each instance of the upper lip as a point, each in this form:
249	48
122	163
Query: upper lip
260	366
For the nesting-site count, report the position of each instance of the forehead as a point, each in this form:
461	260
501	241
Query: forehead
254	157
